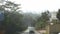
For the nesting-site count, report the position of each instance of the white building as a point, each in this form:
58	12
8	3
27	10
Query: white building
53	16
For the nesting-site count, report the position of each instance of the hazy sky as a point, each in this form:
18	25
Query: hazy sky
39	5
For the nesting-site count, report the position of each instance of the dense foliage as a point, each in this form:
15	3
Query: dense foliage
43	20
58	14
12	23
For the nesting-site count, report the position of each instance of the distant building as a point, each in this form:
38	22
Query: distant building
55	27
53	15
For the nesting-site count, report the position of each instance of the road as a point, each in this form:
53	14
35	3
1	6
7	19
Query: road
28	33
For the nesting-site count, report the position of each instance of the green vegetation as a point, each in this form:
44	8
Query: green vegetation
15	22
12	23
43	20
58	14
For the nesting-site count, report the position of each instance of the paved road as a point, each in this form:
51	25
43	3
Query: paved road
28	33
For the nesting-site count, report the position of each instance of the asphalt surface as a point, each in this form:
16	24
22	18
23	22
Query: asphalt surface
30	33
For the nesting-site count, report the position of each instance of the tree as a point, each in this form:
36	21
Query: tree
12	23
58	14
30	19
42	20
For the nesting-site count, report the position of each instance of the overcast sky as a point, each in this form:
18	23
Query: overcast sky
39	5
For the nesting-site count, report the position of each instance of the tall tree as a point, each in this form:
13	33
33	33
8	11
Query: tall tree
58	14
42	20
12	22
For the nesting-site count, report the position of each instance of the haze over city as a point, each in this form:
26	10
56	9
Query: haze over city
38	6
